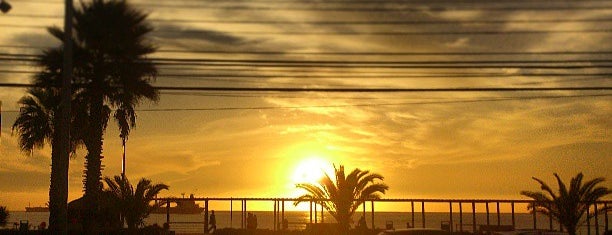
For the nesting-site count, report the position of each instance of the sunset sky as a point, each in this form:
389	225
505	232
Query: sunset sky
427	145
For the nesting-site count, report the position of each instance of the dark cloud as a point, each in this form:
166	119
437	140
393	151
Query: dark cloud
40	39
174	34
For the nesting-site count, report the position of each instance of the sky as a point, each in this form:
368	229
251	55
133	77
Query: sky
427	144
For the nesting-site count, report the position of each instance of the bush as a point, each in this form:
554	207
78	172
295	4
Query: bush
4	214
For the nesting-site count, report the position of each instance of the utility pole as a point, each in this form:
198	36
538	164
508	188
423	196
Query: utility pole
4	7
59	218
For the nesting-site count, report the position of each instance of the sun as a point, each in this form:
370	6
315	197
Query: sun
310	170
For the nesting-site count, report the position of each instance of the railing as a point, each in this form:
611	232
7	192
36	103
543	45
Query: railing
457	209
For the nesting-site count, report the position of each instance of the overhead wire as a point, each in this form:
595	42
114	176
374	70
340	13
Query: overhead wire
341	53
355	89
365	1
358	75
336	22
208	61
366	104
378	8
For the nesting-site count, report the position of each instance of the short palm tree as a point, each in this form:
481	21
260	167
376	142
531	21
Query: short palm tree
4	214
570	204
35	126
135	204
111	71
344	195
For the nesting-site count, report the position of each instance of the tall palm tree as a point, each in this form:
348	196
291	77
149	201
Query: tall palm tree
35	125
111	71
135	204
569	205
345	194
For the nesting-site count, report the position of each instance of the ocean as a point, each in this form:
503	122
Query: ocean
194	223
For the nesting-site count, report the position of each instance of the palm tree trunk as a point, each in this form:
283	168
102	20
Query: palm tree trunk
58	190
93	185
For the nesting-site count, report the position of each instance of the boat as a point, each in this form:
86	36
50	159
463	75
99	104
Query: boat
182	207
37	209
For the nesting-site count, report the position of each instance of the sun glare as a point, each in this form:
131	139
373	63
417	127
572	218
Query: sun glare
310	170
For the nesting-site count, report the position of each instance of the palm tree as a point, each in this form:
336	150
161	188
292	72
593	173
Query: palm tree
4	214
111	71
134	204
35	123
569	205
345	194
35	126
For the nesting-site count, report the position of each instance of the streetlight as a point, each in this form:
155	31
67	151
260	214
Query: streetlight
5	6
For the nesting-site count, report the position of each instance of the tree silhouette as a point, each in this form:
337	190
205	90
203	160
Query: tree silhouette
570	204
135	204
345	194
111	71
4	214
35	126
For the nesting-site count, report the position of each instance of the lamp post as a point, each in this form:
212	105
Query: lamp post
5	6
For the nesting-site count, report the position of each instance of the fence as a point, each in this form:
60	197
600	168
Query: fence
455	220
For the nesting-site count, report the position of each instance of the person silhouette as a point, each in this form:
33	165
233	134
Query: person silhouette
249	221
362	223
285	224
212	222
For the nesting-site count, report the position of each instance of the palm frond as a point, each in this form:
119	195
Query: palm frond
345	194
569	206
545	187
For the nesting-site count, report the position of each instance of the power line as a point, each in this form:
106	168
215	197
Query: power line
275	95
354	90
389	33
384	90
358	75
457	65
365	1
364	105
406	1
394	22
411	53
388	9
27	57
384	62
391	7
395	33
327	22
392	66
388	53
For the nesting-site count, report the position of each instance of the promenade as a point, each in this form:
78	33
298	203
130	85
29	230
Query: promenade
454	215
